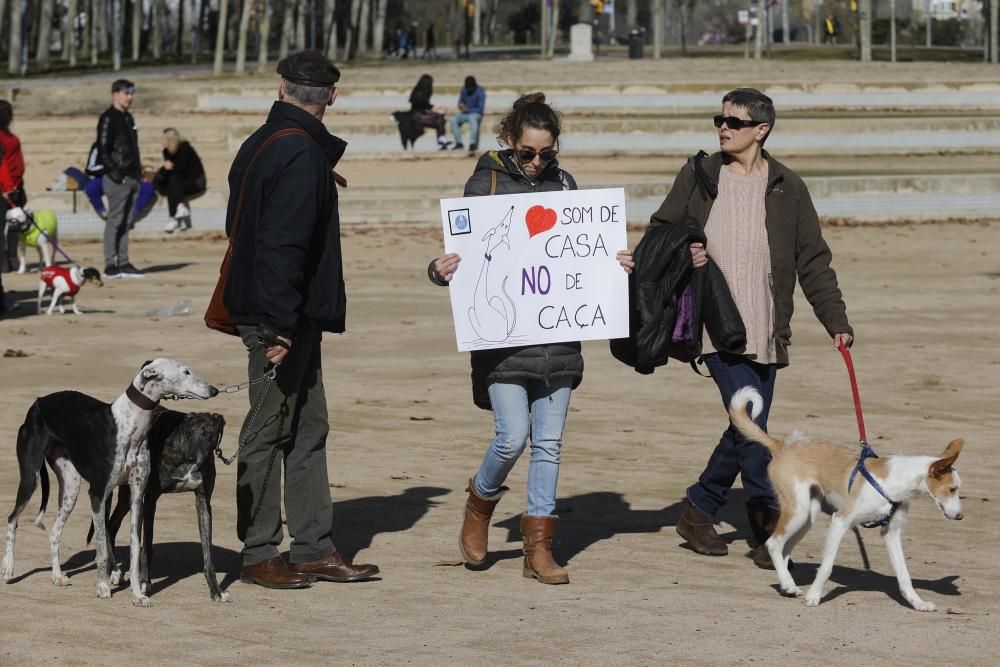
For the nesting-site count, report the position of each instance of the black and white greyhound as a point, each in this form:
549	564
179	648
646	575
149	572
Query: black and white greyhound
81	436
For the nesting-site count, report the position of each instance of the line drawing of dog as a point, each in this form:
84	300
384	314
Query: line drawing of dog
105	444
493	315
181	447
65	282
804	474
38	230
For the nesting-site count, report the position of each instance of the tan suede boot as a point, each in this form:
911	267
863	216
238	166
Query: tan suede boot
537	532
473	539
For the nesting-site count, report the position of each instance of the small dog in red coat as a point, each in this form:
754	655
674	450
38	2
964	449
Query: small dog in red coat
63	281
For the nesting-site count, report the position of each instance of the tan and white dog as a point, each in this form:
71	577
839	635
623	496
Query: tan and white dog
805	473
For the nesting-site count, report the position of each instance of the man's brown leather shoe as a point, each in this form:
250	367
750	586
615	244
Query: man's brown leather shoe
697	528
335	568
273	573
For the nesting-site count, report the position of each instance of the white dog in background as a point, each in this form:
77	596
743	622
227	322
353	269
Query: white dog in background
38	230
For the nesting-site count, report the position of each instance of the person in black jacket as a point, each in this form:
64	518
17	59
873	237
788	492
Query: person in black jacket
425	113
118	151
528	388
181	178
284	289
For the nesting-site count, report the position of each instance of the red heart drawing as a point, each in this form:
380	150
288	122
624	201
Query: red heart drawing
539	219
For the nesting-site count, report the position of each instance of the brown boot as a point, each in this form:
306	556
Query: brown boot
473	539
537	532
273	573
335	568
763	520
698	529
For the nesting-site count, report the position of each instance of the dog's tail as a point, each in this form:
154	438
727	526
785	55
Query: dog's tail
744	423
43	476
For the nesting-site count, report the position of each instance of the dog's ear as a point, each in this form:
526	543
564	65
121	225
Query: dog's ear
147	375
145	363
943	465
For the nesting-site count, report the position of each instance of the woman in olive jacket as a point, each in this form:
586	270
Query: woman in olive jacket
763	232
528	388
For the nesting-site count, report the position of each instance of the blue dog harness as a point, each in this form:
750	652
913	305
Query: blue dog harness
868	453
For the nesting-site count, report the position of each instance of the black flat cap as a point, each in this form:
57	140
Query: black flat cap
309	68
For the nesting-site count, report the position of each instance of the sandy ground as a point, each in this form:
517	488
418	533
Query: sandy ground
405	437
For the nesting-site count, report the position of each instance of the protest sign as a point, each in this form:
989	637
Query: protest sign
537	267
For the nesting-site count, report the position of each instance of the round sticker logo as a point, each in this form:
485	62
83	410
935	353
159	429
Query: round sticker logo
461	222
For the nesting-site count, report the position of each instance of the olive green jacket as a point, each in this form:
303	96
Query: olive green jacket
793	236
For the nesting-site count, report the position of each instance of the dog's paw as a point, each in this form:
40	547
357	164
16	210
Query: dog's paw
222	597
60	580
116	577
920	605
141	601
813	598
103	590
7	570
791	591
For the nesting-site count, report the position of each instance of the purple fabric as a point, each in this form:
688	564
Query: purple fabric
682	326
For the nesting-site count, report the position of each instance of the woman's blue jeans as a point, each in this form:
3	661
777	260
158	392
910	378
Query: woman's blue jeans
523	409
735	455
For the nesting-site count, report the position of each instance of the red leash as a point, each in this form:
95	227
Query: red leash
846	354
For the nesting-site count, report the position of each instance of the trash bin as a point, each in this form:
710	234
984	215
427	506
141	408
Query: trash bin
635	45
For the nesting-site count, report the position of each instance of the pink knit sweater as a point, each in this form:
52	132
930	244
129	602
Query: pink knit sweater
737	243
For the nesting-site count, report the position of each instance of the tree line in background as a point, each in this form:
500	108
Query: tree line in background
48	33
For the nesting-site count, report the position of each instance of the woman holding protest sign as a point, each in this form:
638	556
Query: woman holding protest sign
528	388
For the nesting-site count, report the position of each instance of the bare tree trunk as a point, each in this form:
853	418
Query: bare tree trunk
352	31
196	9
103	32
241	46
300	25
477	23
657	27
330	39
185	26
116	34
93	26
632	14
682	11
379	37
66	29
264	30
287	28
993	31
136	28
14	55
42	53
363	31
865	28
3	13
156	31
491	21
553	30
220	37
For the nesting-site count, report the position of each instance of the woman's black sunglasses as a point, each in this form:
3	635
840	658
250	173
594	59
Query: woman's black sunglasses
734	123
528	154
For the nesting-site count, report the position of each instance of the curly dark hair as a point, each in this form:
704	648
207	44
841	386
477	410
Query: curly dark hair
531	111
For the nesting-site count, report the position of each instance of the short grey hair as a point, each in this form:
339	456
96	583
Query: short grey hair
307	94
758	105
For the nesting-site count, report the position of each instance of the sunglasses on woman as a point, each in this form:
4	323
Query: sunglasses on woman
528	154
734	123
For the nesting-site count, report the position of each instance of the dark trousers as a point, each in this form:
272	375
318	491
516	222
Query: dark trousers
735	455
289	432
178	189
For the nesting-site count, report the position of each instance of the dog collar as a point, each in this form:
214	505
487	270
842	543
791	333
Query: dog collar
139	399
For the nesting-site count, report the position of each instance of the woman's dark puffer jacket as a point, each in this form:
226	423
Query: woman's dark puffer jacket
534	362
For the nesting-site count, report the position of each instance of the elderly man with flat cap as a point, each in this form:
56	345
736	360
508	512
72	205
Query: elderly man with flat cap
285	288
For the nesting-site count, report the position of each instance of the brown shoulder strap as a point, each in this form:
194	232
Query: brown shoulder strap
493	182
